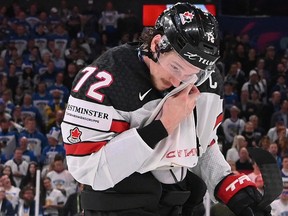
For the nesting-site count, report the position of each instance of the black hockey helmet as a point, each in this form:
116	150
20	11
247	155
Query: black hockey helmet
192	33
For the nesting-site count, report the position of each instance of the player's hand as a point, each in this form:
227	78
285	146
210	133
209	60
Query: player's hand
178	107
240	194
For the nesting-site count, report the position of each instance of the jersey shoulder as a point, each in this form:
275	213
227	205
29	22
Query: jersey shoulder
214	84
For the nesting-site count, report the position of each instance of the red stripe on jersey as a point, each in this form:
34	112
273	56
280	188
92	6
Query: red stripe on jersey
119	126
83	148
212	142
218	120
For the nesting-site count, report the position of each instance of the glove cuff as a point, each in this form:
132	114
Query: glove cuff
230	185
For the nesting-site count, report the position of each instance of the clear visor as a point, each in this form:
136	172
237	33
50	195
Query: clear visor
181	69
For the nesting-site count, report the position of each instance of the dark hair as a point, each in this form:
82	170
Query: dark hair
147	35
26	188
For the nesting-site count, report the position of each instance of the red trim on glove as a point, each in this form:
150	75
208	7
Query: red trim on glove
231	185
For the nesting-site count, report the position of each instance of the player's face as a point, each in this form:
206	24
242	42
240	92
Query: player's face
171	69
177	67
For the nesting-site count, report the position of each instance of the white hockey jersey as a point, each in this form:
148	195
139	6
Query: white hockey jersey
104	111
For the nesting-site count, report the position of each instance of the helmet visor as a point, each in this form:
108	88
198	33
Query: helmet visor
180	67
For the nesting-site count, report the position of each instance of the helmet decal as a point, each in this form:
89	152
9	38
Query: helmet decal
210	37
186	17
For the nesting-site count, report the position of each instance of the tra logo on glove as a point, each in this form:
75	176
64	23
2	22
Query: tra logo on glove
240	181
231	185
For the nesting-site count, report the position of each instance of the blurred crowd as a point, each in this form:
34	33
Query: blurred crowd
41	51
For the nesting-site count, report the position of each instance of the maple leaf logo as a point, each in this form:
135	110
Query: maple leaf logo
186	17
74	135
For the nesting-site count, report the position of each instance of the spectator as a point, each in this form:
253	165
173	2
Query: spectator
59	61
18	165
284	170
43	67
36	139
41	99
230	98
271	62
32	55
32	15
282	142
40	36
251	137
61	178
8	139
232	126
7	170
273	149
236	77
28	155
281	86
247	108
53	18
51	199
263	73
280	206
27	81
108	22
273	132
29	180
49	74
26	206
6	206
252	83
251	61
53	106
57	123
11	192
20	38
273	105
258	130
233	153
17	118
53	149
244	164
58	86
74	21
8	100
281	114
3	113
61	38
264	142
28	109
19	95
72	70
13	81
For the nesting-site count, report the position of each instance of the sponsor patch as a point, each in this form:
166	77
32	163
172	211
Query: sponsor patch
88	114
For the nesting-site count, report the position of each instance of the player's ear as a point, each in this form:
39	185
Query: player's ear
155	41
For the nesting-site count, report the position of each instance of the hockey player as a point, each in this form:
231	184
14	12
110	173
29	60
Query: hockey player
140	124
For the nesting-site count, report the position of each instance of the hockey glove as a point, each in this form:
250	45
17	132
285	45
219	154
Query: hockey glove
240	194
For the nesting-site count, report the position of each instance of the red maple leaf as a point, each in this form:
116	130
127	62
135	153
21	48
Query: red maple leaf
188	15
75	133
